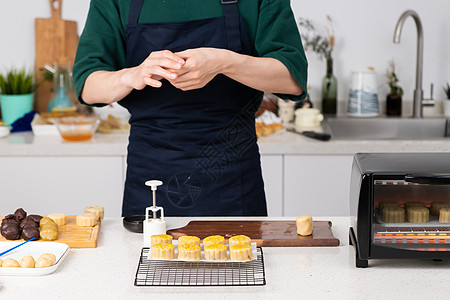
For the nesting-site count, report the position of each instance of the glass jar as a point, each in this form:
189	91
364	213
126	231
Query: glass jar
63	90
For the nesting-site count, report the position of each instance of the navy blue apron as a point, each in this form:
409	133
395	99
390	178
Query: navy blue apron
200	143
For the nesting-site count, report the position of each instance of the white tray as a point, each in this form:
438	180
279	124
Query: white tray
34	249
202	259
40	129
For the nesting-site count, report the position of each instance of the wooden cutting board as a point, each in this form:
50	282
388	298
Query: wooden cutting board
264	233
75	236
56	42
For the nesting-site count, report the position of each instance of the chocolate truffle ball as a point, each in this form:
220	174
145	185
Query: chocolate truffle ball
28	223
20	213
30	232
10	231
35	218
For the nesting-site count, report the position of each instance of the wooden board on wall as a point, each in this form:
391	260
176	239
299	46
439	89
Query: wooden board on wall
56	42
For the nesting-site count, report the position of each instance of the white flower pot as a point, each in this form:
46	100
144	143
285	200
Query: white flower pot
447	108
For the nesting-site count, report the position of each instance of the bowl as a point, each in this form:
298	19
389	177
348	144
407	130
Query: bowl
134	223
77	129
4	131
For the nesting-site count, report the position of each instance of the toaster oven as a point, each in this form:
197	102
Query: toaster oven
400	206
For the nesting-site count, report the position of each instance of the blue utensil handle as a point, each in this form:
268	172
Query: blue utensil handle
9	250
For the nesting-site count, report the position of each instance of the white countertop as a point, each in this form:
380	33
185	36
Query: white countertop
108	271
282	142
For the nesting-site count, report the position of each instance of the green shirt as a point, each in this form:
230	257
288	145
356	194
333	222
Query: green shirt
271	28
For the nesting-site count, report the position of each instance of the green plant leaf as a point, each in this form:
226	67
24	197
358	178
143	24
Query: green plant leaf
17	82
447	90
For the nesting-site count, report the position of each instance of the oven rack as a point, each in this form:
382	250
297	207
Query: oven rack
181	273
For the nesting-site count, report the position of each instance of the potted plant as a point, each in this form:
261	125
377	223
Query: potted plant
447	102
16	94
394	98
322	43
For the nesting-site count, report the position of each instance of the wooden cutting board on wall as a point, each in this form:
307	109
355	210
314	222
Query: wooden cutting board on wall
56	42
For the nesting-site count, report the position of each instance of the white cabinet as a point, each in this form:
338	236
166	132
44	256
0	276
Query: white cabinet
294	184
50	184
317	185
272	170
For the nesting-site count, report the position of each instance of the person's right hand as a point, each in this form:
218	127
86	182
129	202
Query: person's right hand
154	68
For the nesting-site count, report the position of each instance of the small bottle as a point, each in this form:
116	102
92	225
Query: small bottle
329	90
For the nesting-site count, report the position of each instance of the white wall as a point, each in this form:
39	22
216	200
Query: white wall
363	28
364	32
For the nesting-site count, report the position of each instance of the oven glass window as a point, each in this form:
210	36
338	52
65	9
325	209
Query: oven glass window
411	216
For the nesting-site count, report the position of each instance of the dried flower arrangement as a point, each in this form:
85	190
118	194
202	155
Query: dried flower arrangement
391	75
315	39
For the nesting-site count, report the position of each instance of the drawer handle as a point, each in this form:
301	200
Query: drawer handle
431	179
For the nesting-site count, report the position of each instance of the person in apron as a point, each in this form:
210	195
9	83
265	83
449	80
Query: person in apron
198	138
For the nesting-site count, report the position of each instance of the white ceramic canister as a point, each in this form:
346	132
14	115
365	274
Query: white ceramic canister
363	96
307	118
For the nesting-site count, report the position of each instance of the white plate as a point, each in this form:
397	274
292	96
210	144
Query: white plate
203	259
34	249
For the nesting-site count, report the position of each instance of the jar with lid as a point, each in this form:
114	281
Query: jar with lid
363	95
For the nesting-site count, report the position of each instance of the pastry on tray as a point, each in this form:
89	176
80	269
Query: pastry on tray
241	253
436	207
188	239
86	220
239	240
414	204
163	251
27	262
393	215
213	239
189	252
97	210
388	203
215	252
160	239
10	263
58	218
444	215
418	214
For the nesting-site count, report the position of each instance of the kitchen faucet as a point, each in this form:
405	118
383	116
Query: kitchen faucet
419	102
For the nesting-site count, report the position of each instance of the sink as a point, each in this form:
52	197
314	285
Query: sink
386	128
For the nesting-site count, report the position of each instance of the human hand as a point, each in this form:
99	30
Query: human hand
202	65
158	65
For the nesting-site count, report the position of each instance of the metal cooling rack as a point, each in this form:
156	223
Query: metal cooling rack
181	273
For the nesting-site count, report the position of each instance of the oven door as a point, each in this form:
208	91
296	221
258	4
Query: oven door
411	213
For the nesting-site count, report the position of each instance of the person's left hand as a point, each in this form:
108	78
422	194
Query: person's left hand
202	65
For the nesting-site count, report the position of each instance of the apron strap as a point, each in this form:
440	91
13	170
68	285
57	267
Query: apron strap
230	11
135	11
